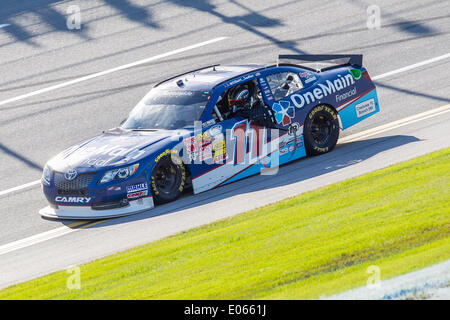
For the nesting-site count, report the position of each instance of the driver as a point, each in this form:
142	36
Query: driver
243	101
240	100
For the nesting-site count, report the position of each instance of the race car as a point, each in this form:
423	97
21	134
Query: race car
209	127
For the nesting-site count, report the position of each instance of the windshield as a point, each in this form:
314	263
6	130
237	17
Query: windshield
167	109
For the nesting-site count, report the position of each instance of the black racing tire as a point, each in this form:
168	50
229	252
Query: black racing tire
321	130
168	178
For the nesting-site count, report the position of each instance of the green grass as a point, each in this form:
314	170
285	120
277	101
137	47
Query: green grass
318	243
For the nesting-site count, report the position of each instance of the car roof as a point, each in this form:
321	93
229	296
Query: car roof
208	77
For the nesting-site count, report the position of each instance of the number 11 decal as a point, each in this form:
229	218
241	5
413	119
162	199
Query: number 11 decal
249	143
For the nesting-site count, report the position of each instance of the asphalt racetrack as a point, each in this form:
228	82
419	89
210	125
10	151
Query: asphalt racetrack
61	86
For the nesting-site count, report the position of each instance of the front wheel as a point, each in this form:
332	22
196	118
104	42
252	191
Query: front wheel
321	130
168	178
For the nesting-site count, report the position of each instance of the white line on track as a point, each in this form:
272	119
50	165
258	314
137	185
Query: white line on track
410	67
47	235
346	139
43	236
396	124
108	71
23	186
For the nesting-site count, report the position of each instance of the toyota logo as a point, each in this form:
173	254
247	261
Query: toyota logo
70	174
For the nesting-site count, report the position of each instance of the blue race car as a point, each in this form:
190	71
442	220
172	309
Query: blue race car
209	127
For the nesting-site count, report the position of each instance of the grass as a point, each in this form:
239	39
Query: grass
318	243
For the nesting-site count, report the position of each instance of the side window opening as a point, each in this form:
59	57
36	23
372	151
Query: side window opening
221	109
238	100
284	84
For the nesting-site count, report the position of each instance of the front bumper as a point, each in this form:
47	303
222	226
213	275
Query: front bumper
86	212
83	198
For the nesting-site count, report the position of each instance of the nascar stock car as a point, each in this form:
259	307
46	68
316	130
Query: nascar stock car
207	128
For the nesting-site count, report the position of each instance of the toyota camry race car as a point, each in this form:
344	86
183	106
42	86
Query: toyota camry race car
207	128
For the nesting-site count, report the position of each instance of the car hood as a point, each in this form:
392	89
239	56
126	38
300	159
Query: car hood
115	147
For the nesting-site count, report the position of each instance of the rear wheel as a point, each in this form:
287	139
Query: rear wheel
168	178
321	130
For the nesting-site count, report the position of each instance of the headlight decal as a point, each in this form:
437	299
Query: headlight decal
119	174
46	174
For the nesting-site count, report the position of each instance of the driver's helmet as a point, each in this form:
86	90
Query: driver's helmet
239	98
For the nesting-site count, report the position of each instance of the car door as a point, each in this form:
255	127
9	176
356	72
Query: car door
231	147
278	86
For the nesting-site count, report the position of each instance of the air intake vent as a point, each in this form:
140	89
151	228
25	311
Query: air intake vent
80	182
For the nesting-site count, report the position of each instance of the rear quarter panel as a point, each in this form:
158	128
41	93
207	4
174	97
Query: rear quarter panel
349	90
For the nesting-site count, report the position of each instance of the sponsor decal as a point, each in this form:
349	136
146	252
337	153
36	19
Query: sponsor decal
214	131
177	93
114	188
220	159
265	88
240	79
135	195
322	90
154	188
365	107
319	149
202	138
356	73
209	123
307	76
70	174
96	162
344	96
284	112
290	145
73	199
206	152
102	156
320	108
183	178
112	151
167	152
191	144
137	187
219	148
310	79
201	147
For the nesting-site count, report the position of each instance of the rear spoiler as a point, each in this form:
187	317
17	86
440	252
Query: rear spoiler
321	62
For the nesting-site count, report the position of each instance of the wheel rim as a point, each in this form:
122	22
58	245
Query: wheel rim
321	129
166	178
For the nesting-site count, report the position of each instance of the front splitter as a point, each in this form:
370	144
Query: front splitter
86	213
